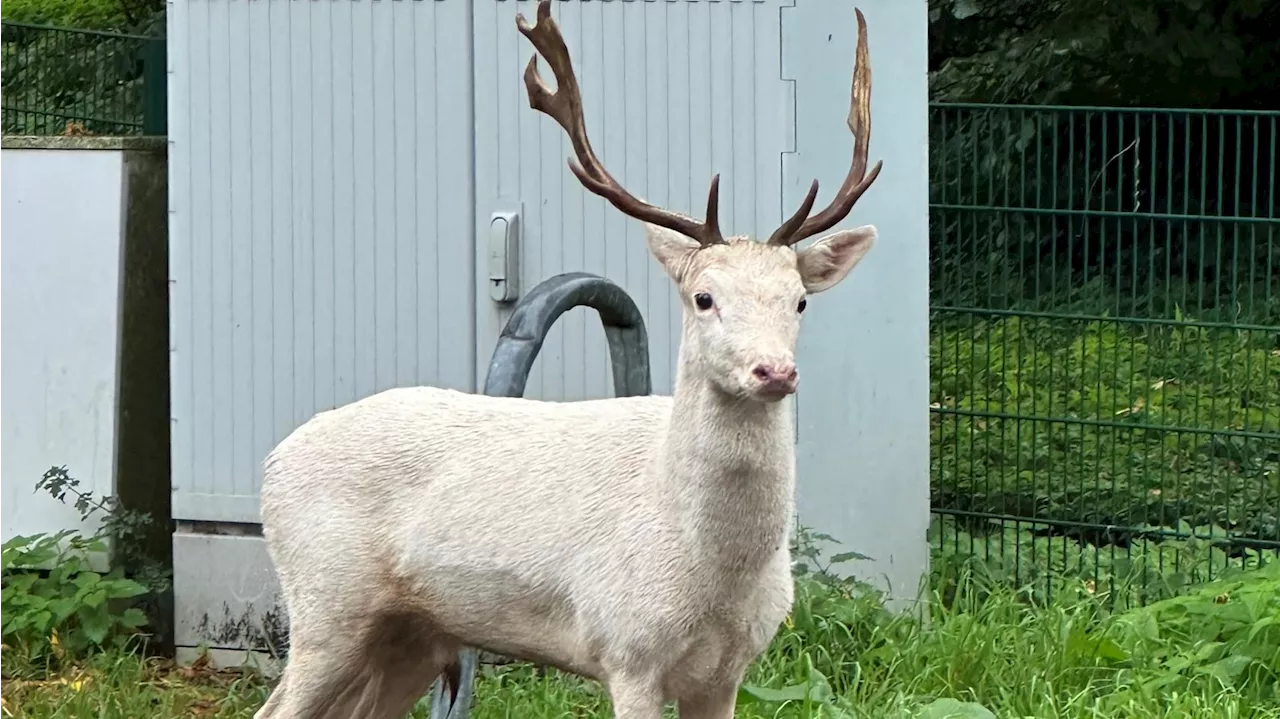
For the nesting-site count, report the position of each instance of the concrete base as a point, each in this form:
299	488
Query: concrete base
225	593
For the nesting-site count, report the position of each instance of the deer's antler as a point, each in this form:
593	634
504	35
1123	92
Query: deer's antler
565	107
800	225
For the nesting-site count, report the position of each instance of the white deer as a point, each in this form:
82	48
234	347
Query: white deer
642	542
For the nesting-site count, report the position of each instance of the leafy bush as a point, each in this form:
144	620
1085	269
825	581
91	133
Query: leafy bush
56	608
125	529
1225	633
66	612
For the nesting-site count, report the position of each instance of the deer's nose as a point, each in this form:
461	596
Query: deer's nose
776	378
775	372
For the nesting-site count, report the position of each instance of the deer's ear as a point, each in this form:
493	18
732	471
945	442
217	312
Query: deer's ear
824	263
671	248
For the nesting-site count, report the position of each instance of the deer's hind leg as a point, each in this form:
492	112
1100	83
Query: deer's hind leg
319	677
378	672
402	666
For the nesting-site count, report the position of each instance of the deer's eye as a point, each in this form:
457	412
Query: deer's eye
703	301
803	303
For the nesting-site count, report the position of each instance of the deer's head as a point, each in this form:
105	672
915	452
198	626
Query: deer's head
742	298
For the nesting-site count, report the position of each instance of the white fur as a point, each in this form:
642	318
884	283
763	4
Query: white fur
638	541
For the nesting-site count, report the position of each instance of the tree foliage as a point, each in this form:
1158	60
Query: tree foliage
144	17
1155	53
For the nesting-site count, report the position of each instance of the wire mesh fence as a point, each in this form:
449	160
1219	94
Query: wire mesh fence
61	80
1105	344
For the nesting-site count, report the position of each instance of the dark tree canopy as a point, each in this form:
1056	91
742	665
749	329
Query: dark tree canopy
1156	53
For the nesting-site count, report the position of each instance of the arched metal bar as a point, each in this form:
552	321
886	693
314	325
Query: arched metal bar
509	367
522	338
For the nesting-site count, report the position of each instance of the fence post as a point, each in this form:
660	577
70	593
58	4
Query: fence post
509	370
155	87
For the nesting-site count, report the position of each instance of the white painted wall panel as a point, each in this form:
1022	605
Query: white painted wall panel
674	92
61	260
322	222
863	436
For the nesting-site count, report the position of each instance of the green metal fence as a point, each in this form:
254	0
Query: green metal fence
96	82
1105	343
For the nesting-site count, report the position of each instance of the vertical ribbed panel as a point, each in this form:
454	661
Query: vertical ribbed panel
674	91
862	453
321	222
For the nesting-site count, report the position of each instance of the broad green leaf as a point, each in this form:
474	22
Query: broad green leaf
86	579
1210	652
95	598
42	621
947	708
1146	626
125	588
95	623
133	618
793	693
63	608
962	9
848	556
1261	625
1229	669
1081	644
819	688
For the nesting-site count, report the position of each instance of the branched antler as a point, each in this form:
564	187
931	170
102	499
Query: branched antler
565	107
801	225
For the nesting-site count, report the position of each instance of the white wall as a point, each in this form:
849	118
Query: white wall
320	223
863	437
673	93
60	258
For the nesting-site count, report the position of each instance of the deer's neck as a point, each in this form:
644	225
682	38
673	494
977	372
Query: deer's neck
729	470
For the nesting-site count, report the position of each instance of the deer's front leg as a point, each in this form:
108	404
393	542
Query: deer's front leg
635	698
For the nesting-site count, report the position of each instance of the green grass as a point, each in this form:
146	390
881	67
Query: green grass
1212	654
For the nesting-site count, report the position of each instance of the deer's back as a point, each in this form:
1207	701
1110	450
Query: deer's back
412	443
427	469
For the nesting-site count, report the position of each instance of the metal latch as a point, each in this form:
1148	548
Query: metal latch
504	256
